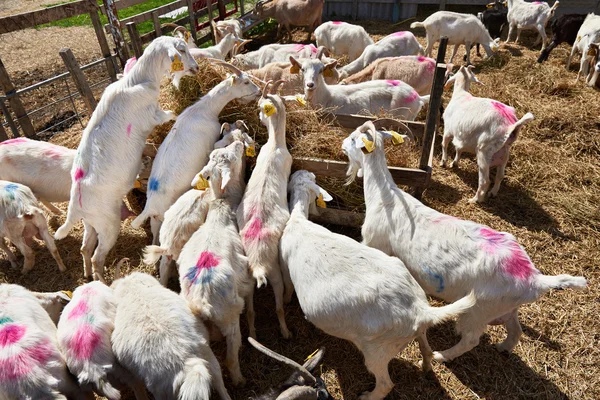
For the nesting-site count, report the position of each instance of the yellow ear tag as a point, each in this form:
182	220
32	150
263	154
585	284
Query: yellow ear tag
269	109
312	355
137	184
489	6
578	38
186	36
327	73
369	146
202	183
69	294
250	151
294	69
300	100
321	204
176	65
396	138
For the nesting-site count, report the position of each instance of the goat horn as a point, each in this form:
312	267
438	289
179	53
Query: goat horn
298	393
118	268
392	123
266	89
310	379
322	50
276	85
226	65
258	79
366	126
180	29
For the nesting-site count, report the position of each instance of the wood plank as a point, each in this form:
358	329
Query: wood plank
15	102
79	79
110	64
335	216
136	43
353	121
30	19
337	169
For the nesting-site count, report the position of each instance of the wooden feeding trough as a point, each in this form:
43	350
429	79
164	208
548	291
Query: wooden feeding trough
417	178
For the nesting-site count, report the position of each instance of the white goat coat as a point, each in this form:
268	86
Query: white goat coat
343	38
273	53
524	15
31	366
401	43
589	32
159	340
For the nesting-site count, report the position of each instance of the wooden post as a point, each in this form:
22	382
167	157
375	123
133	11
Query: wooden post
136	42
242	12
110	65
355	9
3	135
15	102
192	15
222	10
435	101
115	31
157	27
442	4
210	21
79	78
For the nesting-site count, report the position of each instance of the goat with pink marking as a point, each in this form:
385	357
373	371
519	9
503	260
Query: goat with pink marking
481	126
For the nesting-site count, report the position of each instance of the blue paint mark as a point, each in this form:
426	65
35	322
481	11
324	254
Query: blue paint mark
10	189
194	273
438	278
153	184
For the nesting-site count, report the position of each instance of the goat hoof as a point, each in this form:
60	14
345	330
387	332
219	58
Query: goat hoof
473	200
439	357
286	333
240	381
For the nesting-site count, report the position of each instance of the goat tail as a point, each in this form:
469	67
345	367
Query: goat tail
65	228
417	25
95	375
559	282
436	315
196	380
153	253
513	132
425	99
259	272
554	7
140	219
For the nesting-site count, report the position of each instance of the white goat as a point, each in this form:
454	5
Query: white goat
464	29
158	339
190	142
343	38
45	168
188	213
263	212
341	285
447	256
481	126
213	270
401	43
274	53
523	15
110	152
393	96
20	221
588	33
31	366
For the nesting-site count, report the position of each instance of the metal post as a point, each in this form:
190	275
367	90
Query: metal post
115	30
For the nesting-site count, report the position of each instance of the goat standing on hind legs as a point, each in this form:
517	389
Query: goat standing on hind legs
109	155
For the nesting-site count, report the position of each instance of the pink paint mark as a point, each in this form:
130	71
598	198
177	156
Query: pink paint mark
493	240
15	141
84	342
393	82
313	49
206	261
399	34
336	22
79	173
255	230
517	263
11	334
16	366
412	97
80	309
539	2
129	65
507	113
88	291
430	62
298	47
129	130
55	154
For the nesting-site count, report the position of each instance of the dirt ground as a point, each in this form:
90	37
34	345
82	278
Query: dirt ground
550	200
11	7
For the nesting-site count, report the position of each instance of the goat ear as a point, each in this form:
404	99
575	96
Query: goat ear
450	81
225	128
323	193
225	178
174	54
295	68
241	124
395	136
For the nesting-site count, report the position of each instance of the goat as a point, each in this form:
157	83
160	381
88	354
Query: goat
190	141
302	384
31	366
415	71
522	15
274	53
263	212
20	221
45	168
158	339
343	38
460	29
213	270
401	43
447	256
188	213
394	96
110	151
291	12
588	33
564	30
482	126
340	285
494	20
594	73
